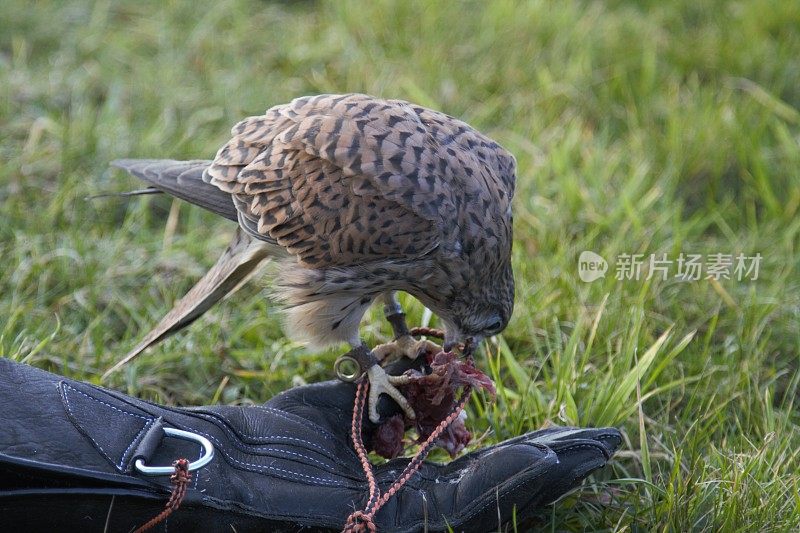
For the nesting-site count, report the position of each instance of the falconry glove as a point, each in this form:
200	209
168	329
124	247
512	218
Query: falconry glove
72	455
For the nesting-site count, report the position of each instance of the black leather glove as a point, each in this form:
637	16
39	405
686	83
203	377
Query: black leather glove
68	449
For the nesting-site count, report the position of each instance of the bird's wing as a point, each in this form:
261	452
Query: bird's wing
237	264
415	155
342	179
483	172
437	166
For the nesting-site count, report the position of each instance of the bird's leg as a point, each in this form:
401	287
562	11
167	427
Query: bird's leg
394	314
404	344
380	382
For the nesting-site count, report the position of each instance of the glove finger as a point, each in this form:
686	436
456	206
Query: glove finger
470	496
580	451
470	493
564	439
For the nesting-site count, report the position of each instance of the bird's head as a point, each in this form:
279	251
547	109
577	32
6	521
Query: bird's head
480	312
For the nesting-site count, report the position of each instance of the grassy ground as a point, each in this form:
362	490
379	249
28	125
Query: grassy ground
639	127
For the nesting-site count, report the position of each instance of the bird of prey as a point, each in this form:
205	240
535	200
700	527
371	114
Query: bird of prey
357	197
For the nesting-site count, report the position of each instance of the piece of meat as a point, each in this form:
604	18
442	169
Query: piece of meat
433	393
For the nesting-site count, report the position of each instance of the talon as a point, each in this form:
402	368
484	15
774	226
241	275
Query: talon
382	383
399	380
412	348
386	353
426	346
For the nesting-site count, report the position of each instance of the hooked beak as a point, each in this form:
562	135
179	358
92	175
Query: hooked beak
469	344
451	337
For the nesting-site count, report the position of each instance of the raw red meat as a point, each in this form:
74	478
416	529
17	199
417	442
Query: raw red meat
432	394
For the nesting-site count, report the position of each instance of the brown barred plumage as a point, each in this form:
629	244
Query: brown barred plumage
365	197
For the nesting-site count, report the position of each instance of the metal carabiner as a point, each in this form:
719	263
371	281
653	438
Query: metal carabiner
208	454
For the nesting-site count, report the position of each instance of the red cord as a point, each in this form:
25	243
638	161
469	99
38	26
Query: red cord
363	521
180	480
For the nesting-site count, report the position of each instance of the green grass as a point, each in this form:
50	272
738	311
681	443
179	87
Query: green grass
639	127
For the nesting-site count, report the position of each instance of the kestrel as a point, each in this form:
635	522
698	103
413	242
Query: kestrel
358	198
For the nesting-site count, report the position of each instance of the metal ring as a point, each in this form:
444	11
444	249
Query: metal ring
208	454
348	378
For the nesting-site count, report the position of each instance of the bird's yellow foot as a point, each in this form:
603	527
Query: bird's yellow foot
382	383
413	348
406	346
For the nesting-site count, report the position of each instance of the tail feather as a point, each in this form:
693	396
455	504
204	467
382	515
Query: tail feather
181	179
236	265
